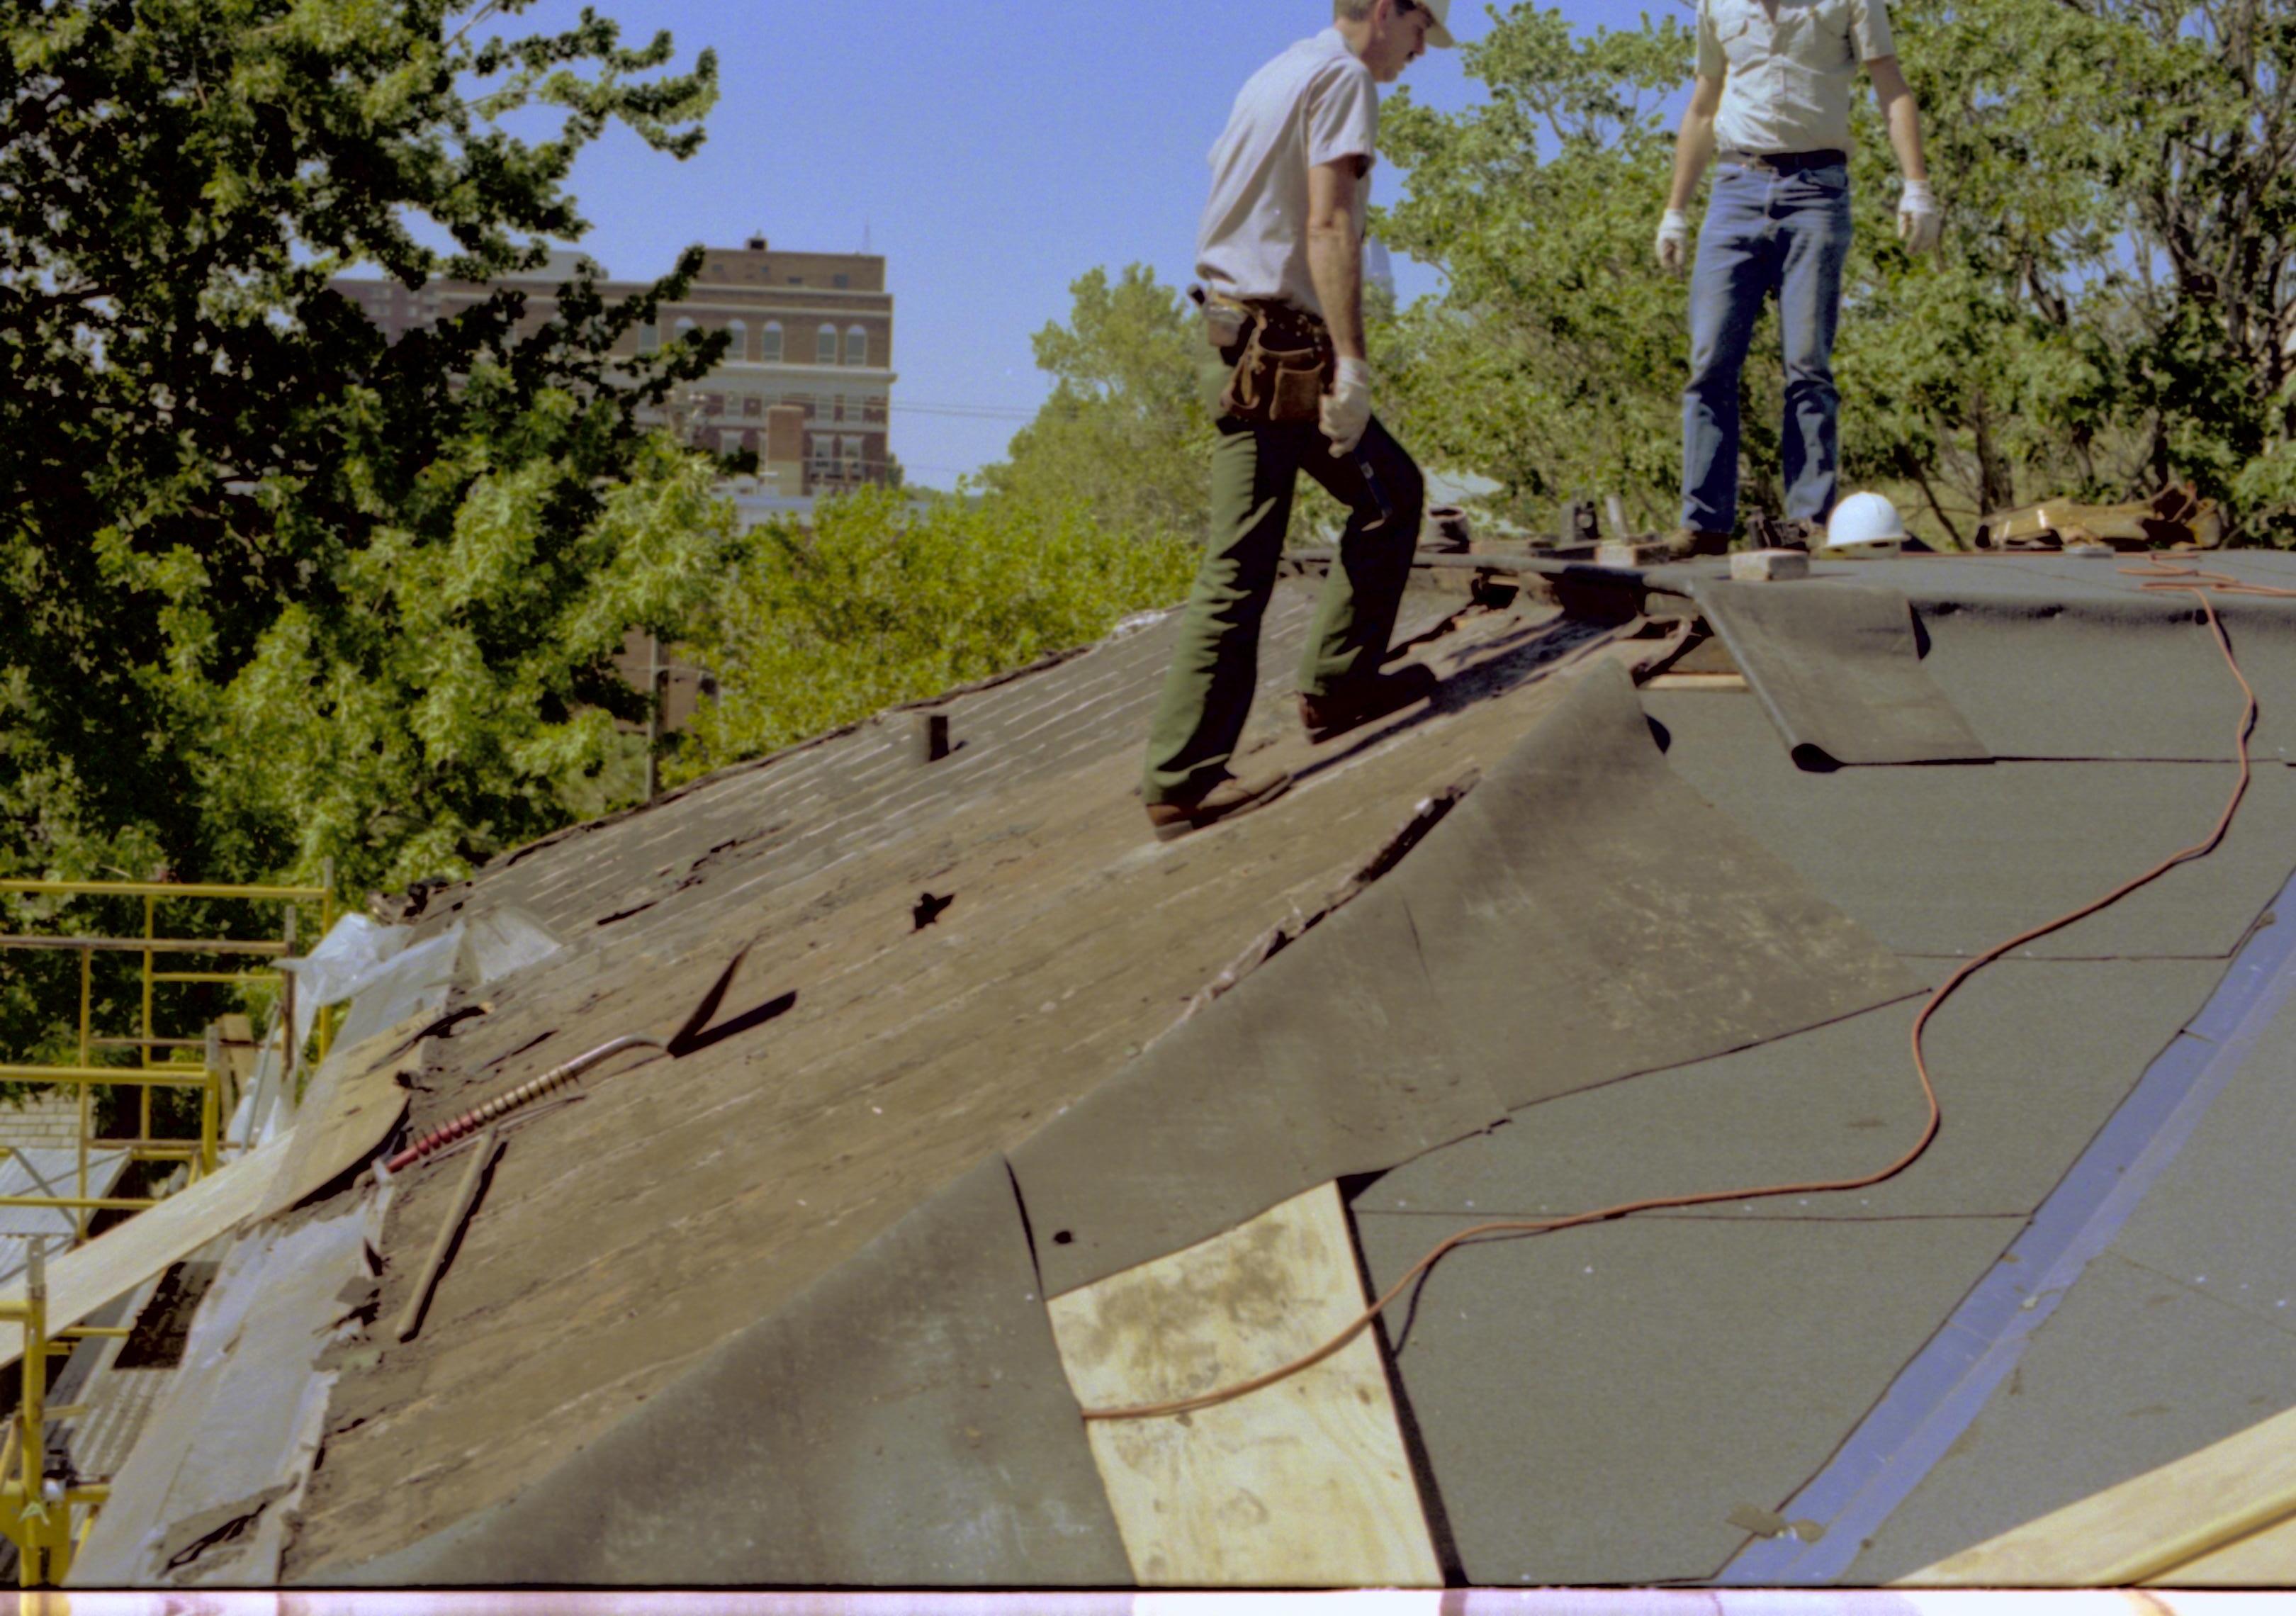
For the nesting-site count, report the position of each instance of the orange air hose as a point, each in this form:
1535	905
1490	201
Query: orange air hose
2157	574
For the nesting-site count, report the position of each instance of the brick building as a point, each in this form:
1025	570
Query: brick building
808	376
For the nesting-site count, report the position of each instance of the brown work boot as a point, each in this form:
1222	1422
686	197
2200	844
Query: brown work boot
1697	541
1229	798
1360	700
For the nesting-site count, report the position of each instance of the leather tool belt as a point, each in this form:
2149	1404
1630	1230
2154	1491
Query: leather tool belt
1283	359
1783	163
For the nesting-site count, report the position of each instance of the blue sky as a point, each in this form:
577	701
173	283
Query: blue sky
992	152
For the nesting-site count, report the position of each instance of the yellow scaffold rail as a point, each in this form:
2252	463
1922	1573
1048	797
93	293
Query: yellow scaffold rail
37	1512
205	1071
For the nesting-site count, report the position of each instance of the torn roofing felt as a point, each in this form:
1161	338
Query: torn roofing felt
1616	1402
625	1235
1947	861
907	1419
2049	656
904	1423
1581	916
1613	968
1839	671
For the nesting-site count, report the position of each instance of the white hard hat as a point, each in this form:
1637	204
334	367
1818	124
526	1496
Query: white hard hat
1864	524
1439	33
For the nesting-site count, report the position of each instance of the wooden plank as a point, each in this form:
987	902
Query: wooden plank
1303	1484
1695	681
2220	1511
126	1255
352	1110
2265	1559
358	1098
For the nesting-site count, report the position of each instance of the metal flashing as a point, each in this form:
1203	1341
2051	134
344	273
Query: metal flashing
1938	1396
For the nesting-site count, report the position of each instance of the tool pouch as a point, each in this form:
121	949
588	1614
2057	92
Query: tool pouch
1283	369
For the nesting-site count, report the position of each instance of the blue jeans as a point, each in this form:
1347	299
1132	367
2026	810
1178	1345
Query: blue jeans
1765	232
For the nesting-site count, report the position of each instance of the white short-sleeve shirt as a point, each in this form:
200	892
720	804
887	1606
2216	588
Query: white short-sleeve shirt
1786	84
1316	103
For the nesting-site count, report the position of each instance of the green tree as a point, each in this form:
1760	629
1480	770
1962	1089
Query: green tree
277	591
1127	430
1551	363
272	590
886	600
2113	306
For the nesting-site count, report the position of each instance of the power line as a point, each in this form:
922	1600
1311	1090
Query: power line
970	411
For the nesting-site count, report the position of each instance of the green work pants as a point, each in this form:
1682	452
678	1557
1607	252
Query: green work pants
1216	664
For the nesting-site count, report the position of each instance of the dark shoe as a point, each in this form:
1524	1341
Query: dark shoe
1697	541
1360	700
1231	797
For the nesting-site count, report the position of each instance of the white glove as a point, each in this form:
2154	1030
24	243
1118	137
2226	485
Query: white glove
1347	407
1673	242
1919	222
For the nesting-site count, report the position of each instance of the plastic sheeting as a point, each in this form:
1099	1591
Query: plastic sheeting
208	1493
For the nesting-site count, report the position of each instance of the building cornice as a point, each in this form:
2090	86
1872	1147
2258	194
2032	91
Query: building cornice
870	375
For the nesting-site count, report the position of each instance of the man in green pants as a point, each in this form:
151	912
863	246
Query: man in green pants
1280	250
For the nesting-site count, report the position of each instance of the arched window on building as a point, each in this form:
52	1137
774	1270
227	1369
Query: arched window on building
649	337
824	346
856	345
737	339
770	342
679	331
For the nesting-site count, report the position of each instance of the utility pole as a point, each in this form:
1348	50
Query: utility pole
656	680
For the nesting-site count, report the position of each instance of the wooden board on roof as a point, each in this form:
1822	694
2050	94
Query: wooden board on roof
2223	1516
128	1253
359	1098
1303	1484
348	1113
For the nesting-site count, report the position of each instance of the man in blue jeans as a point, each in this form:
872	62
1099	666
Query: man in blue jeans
1771	109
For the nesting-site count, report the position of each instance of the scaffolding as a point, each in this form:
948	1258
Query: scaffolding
46	1519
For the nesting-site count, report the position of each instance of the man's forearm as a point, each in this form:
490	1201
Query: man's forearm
1693	149
1905	120
1335	265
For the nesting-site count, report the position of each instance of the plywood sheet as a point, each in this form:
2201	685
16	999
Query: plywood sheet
1303	1484
1836	666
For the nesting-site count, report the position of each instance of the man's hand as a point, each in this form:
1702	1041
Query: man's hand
1919	222
1673	242
1347	407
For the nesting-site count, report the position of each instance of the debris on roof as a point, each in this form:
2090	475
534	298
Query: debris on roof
1482	1157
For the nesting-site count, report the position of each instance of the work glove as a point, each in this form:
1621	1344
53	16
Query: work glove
1673	242
1919	222
1346	408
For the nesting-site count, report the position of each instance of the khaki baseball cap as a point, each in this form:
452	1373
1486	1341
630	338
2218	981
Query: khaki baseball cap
1439	35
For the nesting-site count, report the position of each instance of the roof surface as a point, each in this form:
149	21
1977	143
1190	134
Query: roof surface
776	1311
626	1235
